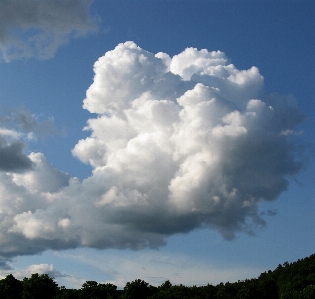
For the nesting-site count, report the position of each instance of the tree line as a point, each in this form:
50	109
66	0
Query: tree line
288	281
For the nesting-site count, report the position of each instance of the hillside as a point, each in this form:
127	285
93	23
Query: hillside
288	281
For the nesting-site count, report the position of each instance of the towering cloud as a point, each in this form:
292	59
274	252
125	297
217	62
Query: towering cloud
178	143
39	27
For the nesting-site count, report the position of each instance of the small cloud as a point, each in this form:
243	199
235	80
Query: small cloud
38	28
40	269
269	213
22	120
4	267
12	158
17	127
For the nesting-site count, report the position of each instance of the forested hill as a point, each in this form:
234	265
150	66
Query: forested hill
288	281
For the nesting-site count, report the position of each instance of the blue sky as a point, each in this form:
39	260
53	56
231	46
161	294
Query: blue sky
187	154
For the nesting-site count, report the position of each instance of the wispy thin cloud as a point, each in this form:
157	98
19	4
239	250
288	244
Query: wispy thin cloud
38	28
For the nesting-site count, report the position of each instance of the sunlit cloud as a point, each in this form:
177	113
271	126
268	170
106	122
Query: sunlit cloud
177	143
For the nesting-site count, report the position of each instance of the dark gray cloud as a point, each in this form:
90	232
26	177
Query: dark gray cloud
4	266
38	27
269	212
12	158
17	126
22	120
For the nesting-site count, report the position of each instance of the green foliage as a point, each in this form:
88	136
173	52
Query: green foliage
247	289
94	290
308	292
138	289
267	287
293	278
208	292
179	291
64	293
165	285
39	287
227	291
10	288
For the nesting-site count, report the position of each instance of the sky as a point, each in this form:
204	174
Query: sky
156	140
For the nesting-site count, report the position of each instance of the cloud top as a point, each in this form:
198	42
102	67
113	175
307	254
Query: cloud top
177	143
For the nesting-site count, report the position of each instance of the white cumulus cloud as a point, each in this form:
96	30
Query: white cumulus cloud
177	143
40	269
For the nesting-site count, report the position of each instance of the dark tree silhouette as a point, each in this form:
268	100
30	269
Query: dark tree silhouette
39	287
94	290
10	288
138	289
64	293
